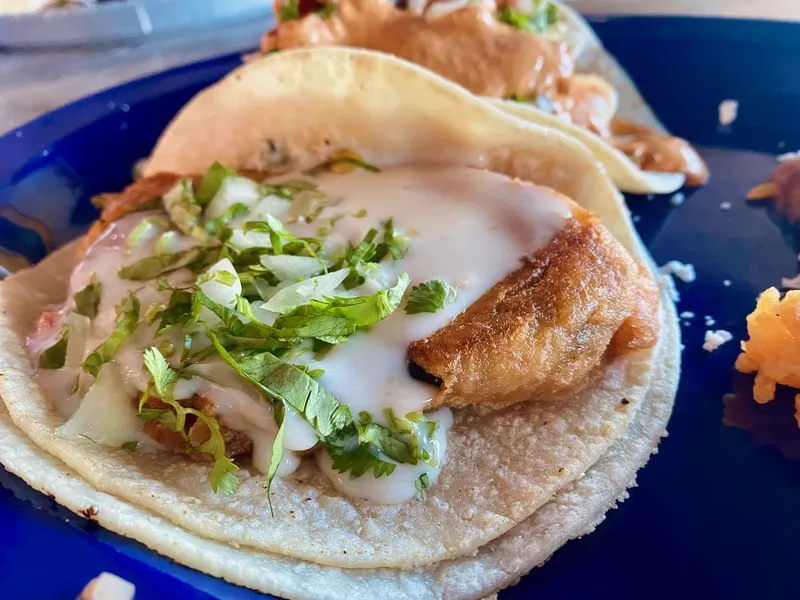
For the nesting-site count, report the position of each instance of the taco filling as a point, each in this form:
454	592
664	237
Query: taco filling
339	312
507	49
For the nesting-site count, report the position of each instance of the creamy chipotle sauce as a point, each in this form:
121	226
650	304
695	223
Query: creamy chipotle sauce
466	43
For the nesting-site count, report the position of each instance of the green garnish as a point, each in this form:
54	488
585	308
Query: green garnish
157	265
422	482
326	11
163	380
56	355
87	300
544	15
212	181
290	11
332	320
130	446
125	325
178	311
429	297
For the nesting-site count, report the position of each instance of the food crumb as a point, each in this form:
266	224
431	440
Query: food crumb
728	111
781	144
677	198
715	339
668	283
709	321
687	314
650	196
683	271
726	282
636	218
724	205
787	156
792	283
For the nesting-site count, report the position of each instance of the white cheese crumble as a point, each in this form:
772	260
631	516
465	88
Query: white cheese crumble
725	205
728	111
715	339
726	282
683	271
677	198
792	283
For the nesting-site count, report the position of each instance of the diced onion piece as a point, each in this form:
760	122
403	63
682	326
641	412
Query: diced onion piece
292	268
106	414
253	239
234	190
305	291
168	243
221	291
146	230
270	205
79	327
262	314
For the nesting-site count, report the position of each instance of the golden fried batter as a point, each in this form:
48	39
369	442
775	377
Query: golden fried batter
546	330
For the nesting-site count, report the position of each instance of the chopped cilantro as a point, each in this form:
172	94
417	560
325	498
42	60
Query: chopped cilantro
163	379
130	446
344	159
155	266
212	181
87	300
55	356
430	296
124	326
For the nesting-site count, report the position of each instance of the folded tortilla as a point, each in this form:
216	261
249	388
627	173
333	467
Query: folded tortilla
304	104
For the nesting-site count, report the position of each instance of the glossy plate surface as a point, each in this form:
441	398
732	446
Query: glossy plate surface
717	510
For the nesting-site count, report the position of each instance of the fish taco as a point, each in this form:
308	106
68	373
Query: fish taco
352	329
537	59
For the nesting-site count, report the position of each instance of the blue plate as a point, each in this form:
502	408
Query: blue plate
717	511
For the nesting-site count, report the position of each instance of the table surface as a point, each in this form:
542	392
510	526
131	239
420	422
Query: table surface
35	82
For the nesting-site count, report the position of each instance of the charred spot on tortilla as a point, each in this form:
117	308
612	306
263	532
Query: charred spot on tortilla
90	513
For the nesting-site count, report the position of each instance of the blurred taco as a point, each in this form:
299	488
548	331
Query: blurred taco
539	58
412	318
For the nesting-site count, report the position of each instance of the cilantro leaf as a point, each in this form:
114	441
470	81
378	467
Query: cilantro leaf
87	300
130	446
275	460
178	311
185	211
332	319
212	181
124	326
216	226
155	266
422	482
56	355
163	379
163	375
430	296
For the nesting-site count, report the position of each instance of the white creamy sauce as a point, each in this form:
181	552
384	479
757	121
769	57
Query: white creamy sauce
465	226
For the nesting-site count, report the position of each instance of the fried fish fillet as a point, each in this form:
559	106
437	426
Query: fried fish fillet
547	329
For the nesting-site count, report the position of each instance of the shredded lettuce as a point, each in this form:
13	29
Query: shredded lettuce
155	266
